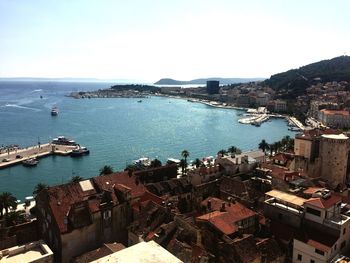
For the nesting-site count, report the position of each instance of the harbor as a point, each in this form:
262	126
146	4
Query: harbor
28	156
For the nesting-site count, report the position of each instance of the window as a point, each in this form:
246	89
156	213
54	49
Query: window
344	230
313	211
300	257
320	252
312	261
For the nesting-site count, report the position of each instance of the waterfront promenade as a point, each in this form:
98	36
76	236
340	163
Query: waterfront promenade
18	156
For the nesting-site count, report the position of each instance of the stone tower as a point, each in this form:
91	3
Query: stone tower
334	159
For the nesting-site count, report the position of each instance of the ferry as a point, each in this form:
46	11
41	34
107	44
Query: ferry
79	151
54	111
30	162
61	140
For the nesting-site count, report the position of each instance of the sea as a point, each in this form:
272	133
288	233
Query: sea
115	130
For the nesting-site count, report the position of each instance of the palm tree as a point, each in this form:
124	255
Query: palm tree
39	187
222	152
106	170
234	150
185	154
14	217
183	166
263	145
76	179
197	163
7	200
156	163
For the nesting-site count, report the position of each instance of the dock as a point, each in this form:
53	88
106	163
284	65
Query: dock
17	156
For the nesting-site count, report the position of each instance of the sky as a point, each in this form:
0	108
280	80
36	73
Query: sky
146	40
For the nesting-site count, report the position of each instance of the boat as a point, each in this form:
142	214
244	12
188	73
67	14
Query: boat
61	140
30	162
79	151
139	101
54	111
142	162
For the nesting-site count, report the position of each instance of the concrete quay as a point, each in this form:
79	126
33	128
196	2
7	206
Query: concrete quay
18	156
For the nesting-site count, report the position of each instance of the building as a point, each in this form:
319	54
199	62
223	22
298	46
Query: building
262	99
213	86
334	149
334	118
326	233
243	162
37	252
140	253
78	217
230	218
280	106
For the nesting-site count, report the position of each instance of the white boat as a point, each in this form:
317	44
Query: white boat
61	140
79	151
30	162
143	162
54	111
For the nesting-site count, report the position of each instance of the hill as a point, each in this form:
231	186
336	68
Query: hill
224	81
294	82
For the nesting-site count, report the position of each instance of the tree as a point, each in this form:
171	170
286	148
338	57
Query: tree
197	162
183	166
14	217
185	154
156	163
40	187
7	200
263	145
234	150
106	170
76	179
222	152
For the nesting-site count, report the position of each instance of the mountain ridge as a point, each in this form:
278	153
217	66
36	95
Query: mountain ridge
200	81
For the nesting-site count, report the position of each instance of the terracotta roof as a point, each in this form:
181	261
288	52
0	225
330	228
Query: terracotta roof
316	239
106	182
312	190
335	112
280	157
62	198
221	221
225	221
324	203
310	134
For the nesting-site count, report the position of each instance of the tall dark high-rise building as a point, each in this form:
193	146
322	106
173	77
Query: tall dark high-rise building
213	86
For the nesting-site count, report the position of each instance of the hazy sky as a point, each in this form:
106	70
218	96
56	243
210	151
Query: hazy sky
182	39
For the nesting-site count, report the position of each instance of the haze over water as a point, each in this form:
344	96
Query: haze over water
116	131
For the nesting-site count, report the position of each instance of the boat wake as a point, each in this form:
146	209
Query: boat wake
36	90
19	107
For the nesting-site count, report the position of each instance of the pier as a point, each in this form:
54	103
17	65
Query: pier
17	156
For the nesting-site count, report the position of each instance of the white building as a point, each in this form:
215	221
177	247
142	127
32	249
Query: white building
140	253
326	231
334	118
37	252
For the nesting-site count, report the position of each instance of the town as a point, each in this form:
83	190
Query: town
286	202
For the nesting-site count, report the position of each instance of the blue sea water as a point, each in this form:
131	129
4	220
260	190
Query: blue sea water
116	130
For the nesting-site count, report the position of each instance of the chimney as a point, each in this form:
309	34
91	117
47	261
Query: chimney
223	208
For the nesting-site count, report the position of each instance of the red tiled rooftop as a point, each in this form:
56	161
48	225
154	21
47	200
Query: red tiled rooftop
316	239
322	202
61	198
107	182
225	220
335	112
